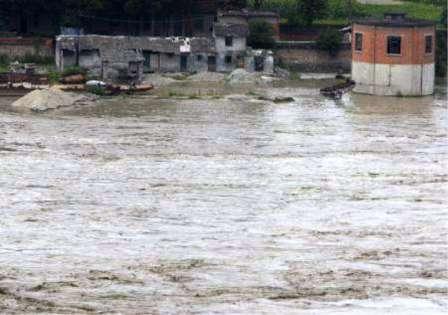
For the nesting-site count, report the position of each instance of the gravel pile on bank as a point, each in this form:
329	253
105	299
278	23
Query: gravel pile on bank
52	98
241	76
158	80
207	77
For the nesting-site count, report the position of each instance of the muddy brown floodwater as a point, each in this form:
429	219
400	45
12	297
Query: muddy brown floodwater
226	206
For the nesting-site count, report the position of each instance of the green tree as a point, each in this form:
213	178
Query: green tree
261	34
258	4
311	10
330	41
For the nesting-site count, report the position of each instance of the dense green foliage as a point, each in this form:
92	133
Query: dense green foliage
330	41
71	12
341	11
261	35
311	10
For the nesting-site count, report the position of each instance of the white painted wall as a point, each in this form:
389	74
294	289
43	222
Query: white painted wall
393	80
239	44
236	51
429	74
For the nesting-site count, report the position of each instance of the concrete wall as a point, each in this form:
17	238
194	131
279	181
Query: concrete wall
239	44
236	52
223	66
198	63
169	63
160	62
306	57
89	58
108	57
393	80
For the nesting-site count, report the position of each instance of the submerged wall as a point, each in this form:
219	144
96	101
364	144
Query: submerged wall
306	57
393	80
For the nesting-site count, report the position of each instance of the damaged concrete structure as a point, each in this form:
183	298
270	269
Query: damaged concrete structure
127	58
124	58
230	46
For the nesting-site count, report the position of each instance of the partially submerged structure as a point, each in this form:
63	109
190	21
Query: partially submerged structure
127	58
124	58
394	56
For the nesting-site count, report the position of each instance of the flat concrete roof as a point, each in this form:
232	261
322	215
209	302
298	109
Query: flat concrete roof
395	19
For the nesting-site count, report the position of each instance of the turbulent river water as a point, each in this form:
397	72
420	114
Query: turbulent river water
226	206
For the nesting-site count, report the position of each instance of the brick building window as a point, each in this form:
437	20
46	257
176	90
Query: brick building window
229	41
358	42
428	44
394	45
228	59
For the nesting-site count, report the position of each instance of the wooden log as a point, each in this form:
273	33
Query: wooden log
74	79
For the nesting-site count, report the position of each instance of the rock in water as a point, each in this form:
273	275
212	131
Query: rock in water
52	98
239	76
286	99
282	73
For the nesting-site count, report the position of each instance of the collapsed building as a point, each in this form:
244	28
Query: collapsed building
127	57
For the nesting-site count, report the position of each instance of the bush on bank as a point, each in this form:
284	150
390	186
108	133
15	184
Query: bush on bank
261	35
330	41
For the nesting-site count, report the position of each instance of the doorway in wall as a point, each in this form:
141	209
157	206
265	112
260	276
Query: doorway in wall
183	63
211	63
259	63
147	61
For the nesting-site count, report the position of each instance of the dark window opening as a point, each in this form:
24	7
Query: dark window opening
228	59
199	57
211	62
394	45
183	63
133	68
259	63
358	42
229	41
428	44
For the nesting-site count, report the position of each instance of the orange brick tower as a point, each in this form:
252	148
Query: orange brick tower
394	56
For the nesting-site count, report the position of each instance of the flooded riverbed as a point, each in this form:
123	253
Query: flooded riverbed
226	206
